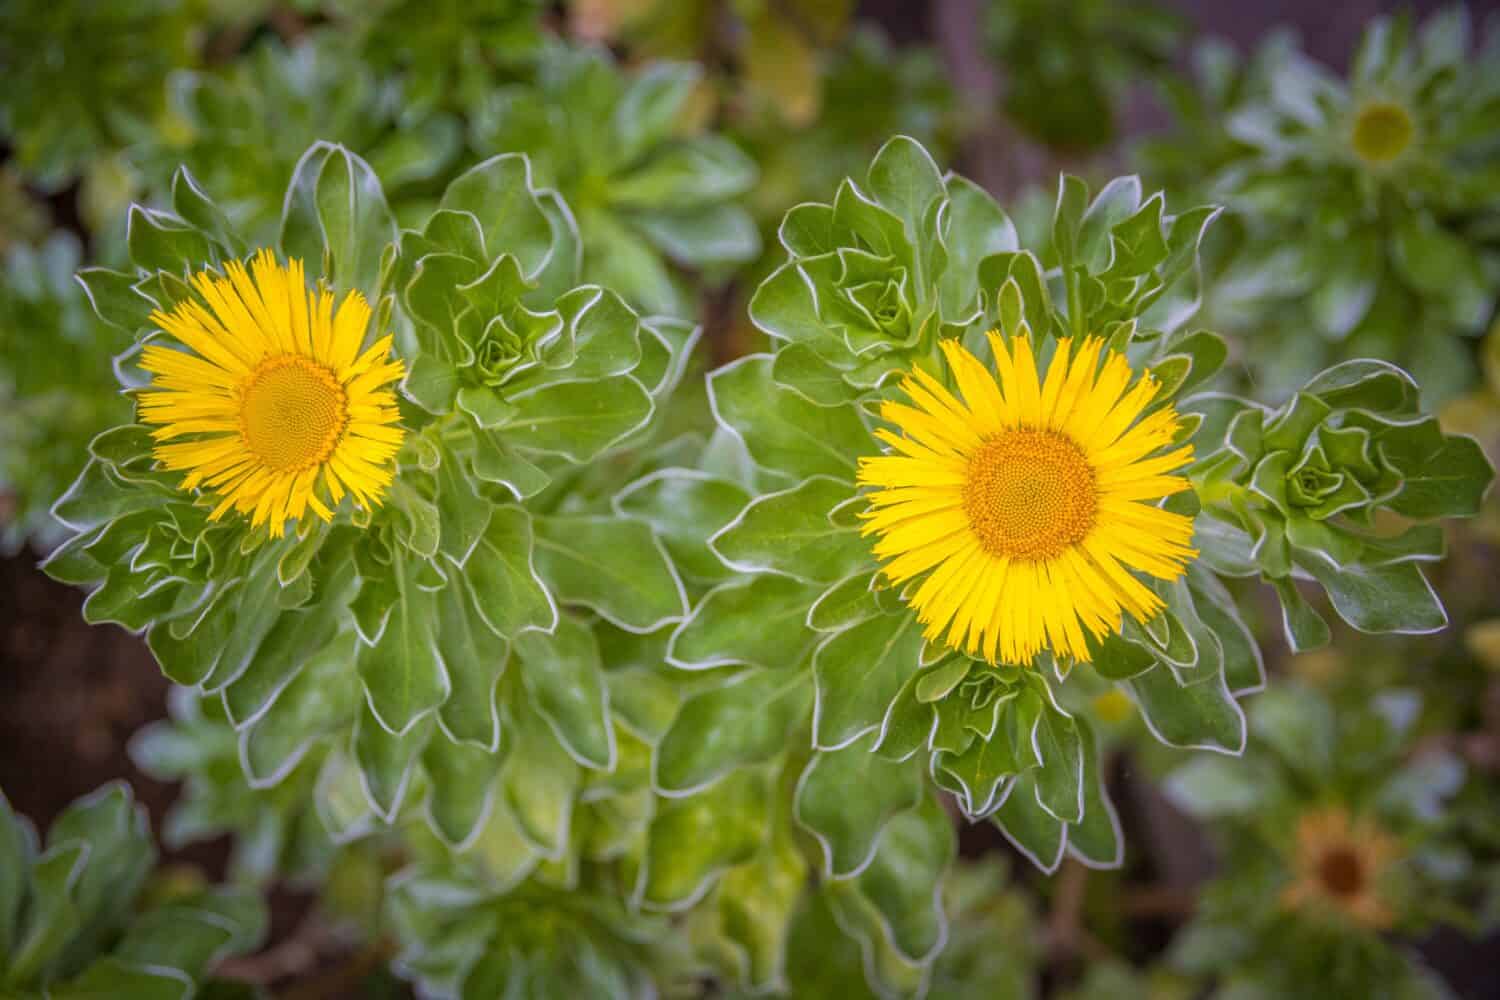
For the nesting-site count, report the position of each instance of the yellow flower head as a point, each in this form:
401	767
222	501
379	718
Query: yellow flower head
273	407
1338	865
1027	502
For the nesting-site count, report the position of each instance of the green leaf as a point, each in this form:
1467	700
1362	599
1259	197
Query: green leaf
686	174
386	760
1210	787
1451	483
15	858
565	682
756	620
1097	839
1299	725
336	218
579	420
1304	628
905	180
115	298
685	508
1390	598
499	194
462	778
914	855
1035	832
1202	715
614	567
189	935
475	656
783	431
651	105
846	797
792	533
802	370
746	720
692	840
976	228
1059	781
160	241
402	668
495	461
858	673
508	594
710	236
463	513
540	780
756	901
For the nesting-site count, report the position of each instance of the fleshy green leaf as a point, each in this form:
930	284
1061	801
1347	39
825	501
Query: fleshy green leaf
612	566
846	797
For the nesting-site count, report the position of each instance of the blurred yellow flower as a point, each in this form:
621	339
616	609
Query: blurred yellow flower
1338	864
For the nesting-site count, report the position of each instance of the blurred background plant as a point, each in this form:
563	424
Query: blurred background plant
1354	850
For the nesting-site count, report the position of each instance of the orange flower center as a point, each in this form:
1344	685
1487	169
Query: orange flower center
292	412
1030	494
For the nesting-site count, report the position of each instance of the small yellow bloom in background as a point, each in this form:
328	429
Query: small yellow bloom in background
1382	131
1112	706
1338	864
273	407
1028	502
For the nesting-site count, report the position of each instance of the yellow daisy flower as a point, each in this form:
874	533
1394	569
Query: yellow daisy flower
273	407
1028	502
1338	865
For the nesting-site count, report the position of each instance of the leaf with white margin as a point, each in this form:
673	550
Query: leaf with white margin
1202	716
783	431
792	533
460	789
1035	832
1096	840
685	507
846	797
757	620
386	760
336	219
1059	781
540	780
745	720
475	656
564	682
691	840
612	566
756	902
403	671
508	594
579	420
858	673
903	881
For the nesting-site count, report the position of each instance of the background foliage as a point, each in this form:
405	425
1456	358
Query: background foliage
604	701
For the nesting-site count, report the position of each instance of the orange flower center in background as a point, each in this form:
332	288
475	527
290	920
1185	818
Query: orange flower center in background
1030	494
1341	872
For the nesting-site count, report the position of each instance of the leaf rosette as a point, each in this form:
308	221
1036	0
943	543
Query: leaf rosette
649	191
1342	484
831	651
83	915
55	397
426	651
1396	256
